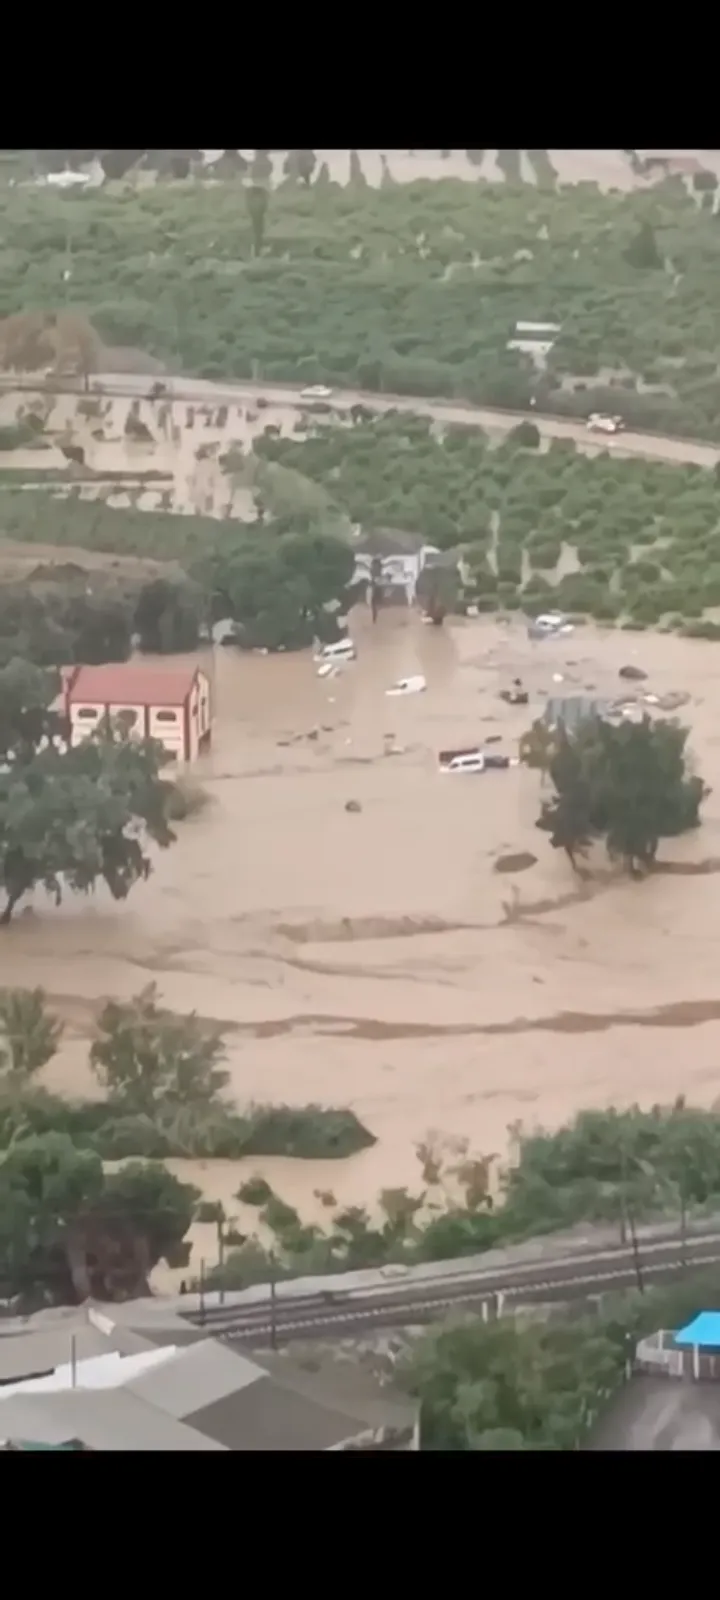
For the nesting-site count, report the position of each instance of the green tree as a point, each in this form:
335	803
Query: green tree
257	200
29	1035
283	591
70	818
538	747
438	588
68	1232
627	783
301	164
539	1383
357	176
643	249
568	817
145	1057
115	163
27	717
168	616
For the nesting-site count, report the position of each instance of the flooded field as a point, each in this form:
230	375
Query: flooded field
376	958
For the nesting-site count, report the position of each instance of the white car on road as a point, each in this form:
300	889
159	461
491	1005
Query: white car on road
316	391
597	423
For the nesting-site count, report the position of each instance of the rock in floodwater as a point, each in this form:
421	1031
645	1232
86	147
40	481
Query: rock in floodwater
515	863
632	672
353	805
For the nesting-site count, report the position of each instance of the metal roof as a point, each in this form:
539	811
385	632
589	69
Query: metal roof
31	1348
130	683
268	1416
702	1333
105	1419
200	1375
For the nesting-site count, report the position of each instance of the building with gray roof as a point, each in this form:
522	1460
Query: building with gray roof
85	1380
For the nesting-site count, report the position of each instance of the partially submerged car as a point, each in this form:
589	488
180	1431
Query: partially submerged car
316	391
550	624
473	760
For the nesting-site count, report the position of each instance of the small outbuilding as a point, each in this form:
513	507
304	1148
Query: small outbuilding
153	701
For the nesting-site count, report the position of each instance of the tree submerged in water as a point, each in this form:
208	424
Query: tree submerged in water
626	783
70	818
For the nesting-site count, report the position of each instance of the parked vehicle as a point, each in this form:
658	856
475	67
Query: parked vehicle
598	423
316	391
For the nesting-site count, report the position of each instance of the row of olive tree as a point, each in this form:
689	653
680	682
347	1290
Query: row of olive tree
606	1167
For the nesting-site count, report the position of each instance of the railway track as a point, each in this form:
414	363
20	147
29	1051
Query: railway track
340	1312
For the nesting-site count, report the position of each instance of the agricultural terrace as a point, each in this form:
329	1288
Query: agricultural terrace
411	288
624	541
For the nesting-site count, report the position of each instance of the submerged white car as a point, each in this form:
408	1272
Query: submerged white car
316	391
330	657
552	623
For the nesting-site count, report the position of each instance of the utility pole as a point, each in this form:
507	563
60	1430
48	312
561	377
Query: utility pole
636	1255
221	1260
683	1228
273	1303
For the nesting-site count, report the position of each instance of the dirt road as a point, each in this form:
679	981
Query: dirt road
654	446
660	447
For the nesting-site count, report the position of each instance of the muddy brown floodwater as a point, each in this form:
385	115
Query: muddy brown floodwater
376	959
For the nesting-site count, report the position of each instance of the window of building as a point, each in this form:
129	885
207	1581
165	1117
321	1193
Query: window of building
127	717
88	712
166	716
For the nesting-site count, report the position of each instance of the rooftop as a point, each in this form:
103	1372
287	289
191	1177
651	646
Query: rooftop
136	683
125	1391
702	1333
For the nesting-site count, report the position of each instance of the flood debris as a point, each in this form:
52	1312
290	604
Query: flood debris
413	685
673	700
353	805
632	672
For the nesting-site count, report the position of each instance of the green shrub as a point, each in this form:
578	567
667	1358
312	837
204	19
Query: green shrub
307	1132
254	1191
312	1132
184	798
526	436
701	630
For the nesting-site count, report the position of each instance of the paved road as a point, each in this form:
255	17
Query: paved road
343	1313
627	444
201	390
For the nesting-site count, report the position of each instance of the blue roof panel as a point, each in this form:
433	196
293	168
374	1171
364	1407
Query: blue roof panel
703	1331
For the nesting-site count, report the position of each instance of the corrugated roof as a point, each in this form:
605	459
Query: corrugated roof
109	1419
25	1355
132	683
342	1385
198	1376
107	1371
267	1416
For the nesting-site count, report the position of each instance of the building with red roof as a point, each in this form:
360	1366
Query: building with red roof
152	700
